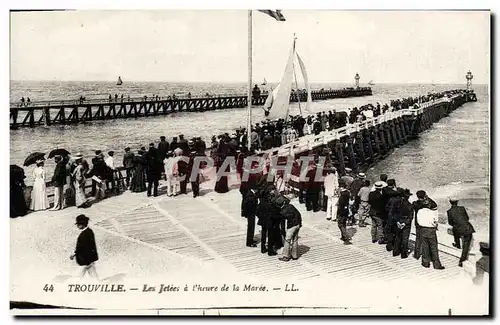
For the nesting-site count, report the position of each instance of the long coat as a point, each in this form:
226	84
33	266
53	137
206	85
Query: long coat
250	204
154	166
86	250
138	183
343	209
59	177
459	220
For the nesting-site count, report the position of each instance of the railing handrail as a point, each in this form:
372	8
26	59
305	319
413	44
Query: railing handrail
312	141
135	99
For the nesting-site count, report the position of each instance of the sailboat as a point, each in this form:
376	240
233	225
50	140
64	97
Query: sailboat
264	82
371	83
277	104
119	82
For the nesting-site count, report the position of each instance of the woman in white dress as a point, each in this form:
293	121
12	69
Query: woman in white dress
79	181
39	199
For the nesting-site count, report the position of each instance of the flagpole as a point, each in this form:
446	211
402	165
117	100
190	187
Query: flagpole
249	126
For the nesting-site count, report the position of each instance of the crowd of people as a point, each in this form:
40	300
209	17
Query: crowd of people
351	201
348	200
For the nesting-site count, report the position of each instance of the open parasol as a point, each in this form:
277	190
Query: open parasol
58	152
32	158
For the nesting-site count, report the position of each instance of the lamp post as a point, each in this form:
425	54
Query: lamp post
469	77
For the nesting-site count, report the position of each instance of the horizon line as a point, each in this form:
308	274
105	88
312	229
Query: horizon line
245	82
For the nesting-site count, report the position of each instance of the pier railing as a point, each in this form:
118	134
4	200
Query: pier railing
312	141
65	112
135	99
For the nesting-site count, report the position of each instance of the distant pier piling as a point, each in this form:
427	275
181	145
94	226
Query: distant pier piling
81	111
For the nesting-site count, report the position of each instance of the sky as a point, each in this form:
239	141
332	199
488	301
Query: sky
211	46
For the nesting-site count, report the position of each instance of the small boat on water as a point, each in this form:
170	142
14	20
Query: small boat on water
371	83
119	82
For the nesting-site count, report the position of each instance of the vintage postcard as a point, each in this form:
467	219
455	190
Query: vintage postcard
250	162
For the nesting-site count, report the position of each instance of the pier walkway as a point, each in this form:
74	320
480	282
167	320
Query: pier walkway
209	230
79	111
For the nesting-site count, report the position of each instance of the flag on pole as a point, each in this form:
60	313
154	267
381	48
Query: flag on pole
276	14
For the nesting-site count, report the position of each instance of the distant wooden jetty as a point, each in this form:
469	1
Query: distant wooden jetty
63	112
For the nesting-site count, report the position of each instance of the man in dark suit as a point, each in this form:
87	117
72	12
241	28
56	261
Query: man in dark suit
58	181
94	183
183	171
402	224
194	173
343	214
462	228
86	250
174	144
163	148
377	200
249	210
313	189
154	169
267	212
184	145
128	163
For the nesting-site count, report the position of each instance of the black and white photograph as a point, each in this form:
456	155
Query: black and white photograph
266	162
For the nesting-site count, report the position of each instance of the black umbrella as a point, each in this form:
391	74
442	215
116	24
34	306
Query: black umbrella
32	158
58	152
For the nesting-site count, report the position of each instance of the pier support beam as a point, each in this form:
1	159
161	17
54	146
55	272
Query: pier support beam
46	116
368	142
361	148
340	157
352	156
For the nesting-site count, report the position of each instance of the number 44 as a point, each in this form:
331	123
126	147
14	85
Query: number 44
48	288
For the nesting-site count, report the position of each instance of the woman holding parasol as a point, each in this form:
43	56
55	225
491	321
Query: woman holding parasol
39	199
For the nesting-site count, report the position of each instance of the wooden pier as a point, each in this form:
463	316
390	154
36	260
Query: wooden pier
209	229
62	112
357	146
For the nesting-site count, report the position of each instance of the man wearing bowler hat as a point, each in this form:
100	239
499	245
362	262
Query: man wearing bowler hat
462	228
86	250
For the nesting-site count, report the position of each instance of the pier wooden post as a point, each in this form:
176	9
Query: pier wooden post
382	142
32	117
406	125
352	157
387	135
368	140
361	147
62	114
340	157
376	142
400	127
46	115
15	112
394	134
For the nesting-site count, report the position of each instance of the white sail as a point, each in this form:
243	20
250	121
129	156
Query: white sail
281	95
270	99
306	81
